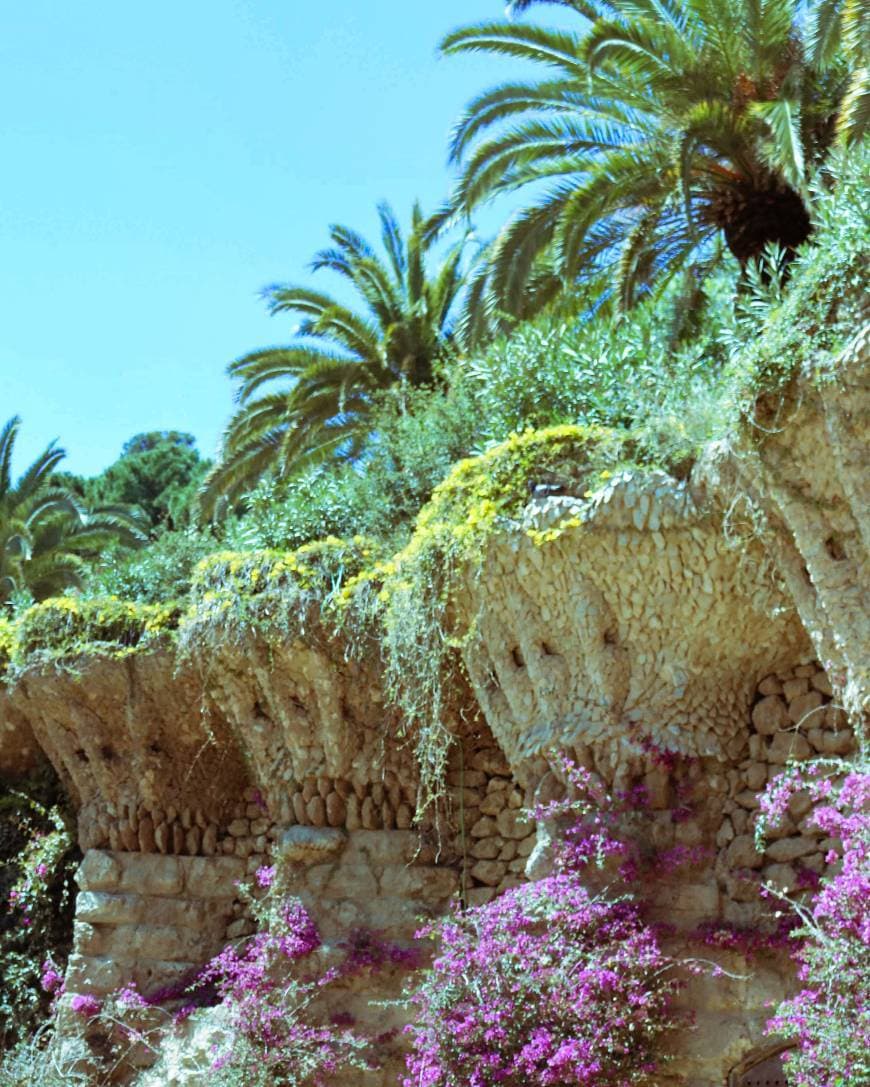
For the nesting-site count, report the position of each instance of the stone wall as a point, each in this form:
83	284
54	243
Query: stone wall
154	915
151	920
155	918
794	718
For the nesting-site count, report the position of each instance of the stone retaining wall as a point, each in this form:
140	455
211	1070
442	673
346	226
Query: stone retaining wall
148	919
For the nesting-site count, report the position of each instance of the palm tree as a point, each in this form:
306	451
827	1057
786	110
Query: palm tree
842	27
46	535
656	128
327	379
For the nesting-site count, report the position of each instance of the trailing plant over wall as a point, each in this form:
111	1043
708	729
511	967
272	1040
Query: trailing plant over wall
66	626
829	1017
407	598
281	594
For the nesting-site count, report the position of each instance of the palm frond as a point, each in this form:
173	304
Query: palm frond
782	150
519	41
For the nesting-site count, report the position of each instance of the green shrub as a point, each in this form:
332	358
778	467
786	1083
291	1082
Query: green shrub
608	369
782	329
159	572
420	433
7	642
38	856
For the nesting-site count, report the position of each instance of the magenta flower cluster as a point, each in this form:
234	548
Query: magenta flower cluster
51	979
270	985
547	985
86	1006
829	1018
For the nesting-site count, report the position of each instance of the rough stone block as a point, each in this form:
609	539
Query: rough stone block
782	876
353	881
511	824
837	743
91	974
382	847
806	710
429	885
770	715
820	682
485	827
490	872
490	761
486	848
741	853
212	877
789	849
755	775
118	909
130	944
770	685
788	746
311	845
99	871
494	803
792	688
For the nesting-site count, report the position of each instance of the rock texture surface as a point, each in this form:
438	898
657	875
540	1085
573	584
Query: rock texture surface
805	470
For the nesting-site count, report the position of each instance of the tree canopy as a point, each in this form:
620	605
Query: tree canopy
158	472
47	534
653	131
313	398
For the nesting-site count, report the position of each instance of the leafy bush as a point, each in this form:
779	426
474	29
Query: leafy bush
36	917
679	370
160	572
625	370
548	984
829	1018
279	593
419	434
804	323
7	642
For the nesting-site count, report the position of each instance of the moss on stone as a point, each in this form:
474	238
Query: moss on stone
482	492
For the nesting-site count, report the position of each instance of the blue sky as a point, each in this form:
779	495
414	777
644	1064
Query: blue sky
163	162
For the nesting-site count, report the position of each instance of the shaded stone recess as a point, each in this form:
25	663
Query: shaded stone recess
19	751
313	724
632	614
145	759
